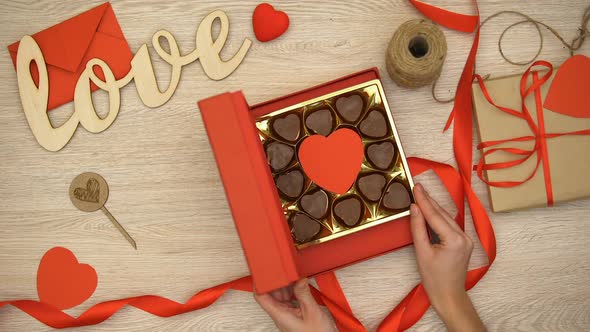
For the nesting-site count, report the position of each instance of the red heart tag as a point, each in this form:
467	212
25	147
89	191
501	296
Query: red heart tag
332	162
569	92
269	23
62	281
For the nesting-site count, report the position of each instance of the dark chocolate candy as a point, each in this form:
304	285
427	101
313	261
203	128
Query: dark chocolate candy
381	154
287	127
304	228
279	155
316	204
351	107
374	125
349	211
396	197
320	121
290	184
371	186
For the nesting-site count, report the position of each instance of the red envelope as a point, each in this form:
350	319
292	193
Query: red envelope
69	45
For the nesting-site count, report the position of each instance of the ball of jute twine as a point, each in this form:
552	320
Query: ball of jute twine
416	53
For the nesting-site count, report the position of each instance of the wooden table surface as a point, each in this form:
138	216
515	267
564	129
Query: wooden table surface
165	188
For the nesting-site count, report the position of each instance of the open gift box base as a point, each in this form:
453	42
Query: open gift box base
273	258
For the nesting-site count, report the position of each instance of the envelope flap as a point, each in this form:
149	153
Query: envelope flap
109	24
64	44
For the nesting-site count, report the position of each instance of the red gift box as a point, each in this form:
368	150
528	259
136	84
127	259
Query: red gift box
273	259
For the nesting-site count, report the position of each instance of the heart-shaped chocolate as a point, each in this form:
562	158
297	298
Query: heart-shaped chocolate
288	127
304	228
374	125
279	155
321	122
315	204
290	184
351	107
381	155
349	211
371	186
396	197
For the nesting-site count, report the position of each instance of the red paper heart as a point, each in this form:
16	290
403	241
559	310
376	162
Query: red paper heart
62	281
569	93
269	23
332	162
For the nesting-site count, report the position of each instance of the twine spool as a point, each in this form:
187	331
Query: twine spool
416	53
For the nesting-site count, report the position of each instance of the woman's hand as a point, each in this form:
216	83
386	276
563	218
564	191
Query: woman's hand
443	266
294	309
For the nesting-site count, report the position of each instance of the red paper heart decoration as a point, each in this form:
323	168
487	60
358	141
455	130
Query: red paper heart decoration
269	23
569	93
62	281
332	162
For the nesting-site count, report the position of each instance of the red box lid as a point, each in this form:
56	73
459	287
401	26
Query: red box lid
250	191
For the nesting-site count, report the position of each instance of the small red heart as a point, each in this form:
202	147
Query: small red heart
269	23
568	93
332	162
62	281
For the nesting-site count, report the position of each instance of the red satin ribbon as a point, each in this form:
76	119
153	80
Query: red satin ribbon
413	306
539	136
543	142
100	312
451	20
330	288
159	306
461	114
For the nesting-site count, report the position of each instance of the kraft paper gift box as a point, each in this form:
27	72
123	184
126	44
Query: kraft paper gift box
556	169
264	214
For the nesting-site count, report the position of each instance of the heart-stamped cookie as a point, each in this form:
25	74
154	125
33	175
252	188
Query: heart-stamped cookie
332	162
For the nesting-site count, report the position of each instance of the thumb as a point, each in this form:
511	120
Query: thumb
303	295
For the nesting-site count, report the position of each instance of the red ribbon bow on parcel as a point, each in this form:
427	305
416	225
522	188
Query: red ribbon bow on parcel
538	134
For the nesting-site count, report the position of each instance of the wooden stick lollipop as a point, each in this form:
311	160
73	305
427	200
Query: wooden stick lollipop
89	192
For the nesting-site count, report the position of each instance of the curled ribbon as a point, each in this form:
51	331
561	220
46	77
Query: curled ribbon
159	306
539	136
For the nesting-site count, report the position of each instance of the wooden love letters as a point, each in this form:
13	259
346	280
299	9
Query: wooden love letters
34	98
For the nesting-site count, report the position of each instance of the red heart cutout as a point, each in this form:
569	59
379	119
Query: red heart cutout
269	23
62	281
332	162
569	92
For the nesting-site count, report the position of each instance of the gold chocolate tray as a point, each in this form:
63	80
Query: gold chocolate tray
376	197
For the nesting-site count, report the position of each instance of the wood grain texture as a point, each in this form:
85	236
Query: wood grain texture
165	189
